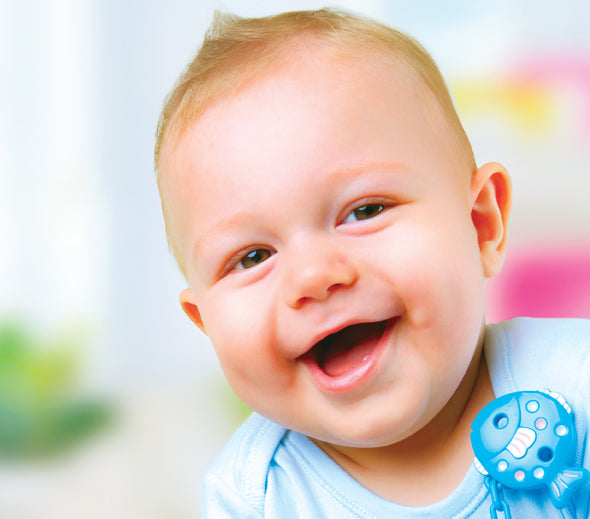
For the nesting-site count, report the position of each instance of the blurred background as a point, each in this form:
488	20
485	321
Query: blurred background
111	402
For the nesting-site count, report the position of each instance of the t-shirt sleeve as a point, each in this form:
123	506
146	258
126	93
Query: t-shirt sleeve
221	501
235	484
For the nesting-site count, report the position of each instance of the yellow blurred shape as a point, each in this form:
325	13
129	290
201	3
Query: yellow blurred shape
526	106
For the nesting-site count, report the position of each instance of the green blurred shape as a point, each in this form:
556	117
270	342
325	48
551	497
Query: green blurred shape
236	410
40	414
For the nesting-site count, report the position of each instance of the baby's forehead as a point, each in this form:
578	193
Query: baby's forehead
310	95
301	63
302	67
307	50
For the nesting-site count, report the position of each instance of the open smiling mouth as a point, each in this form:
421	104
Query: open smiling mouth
345	351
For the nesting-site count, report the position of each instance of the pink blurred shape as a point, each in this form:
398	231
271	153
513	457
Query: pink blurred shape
564	72
539	282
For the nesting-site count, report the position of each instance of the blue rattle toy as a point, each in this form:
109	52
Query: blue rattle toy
526	440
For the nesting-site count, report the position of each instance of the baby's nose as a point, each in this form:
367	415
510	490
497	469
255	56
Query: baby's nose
315	273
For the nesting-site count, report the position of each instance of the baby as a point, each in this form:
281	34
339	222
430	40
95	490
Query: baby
322	200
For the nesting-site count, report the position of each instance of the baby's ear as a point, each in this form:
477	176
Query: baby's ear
187	301
491	195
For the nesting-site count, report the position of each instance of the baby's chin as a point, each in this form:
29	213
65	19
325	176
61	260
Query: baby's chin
373	437
374	442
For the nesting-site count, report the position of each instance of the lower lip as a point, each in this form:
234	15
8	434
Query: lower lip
356	376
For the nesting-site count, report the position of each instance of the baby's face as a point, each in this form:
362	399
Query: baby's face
326	230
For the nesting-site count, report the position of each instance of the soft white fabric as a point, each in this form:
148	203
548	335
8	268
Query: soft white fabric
271	472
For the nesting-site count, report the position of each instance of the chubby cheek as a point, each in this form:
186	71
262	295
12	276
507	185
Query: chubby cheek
438	274
242	333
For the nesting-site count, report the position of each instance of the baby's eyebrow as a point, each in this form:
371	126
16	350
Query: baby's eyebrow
219	231
352	172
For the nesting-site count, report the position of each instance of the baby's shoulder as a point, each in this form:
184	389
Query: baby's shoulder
537	353
235	484
544	336
244	461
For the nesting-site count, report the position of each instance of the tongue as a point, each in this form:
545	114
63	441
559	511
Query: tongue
350	348
338	362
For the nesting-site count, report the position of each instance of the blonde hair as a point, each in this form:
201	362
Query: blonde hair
237	50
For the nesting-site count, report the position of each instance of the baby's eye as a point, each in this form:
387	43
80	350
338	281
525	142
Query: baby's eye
364	212
253	258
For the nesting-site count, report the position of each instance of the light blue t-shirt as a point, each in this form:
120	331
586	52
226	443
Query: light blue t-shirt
267	471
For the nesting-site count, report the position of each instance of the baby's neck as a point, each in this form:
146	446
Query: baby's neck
429	465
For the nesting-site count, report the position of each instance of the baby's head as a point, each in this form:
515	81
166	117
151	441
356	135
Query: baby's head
322	200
